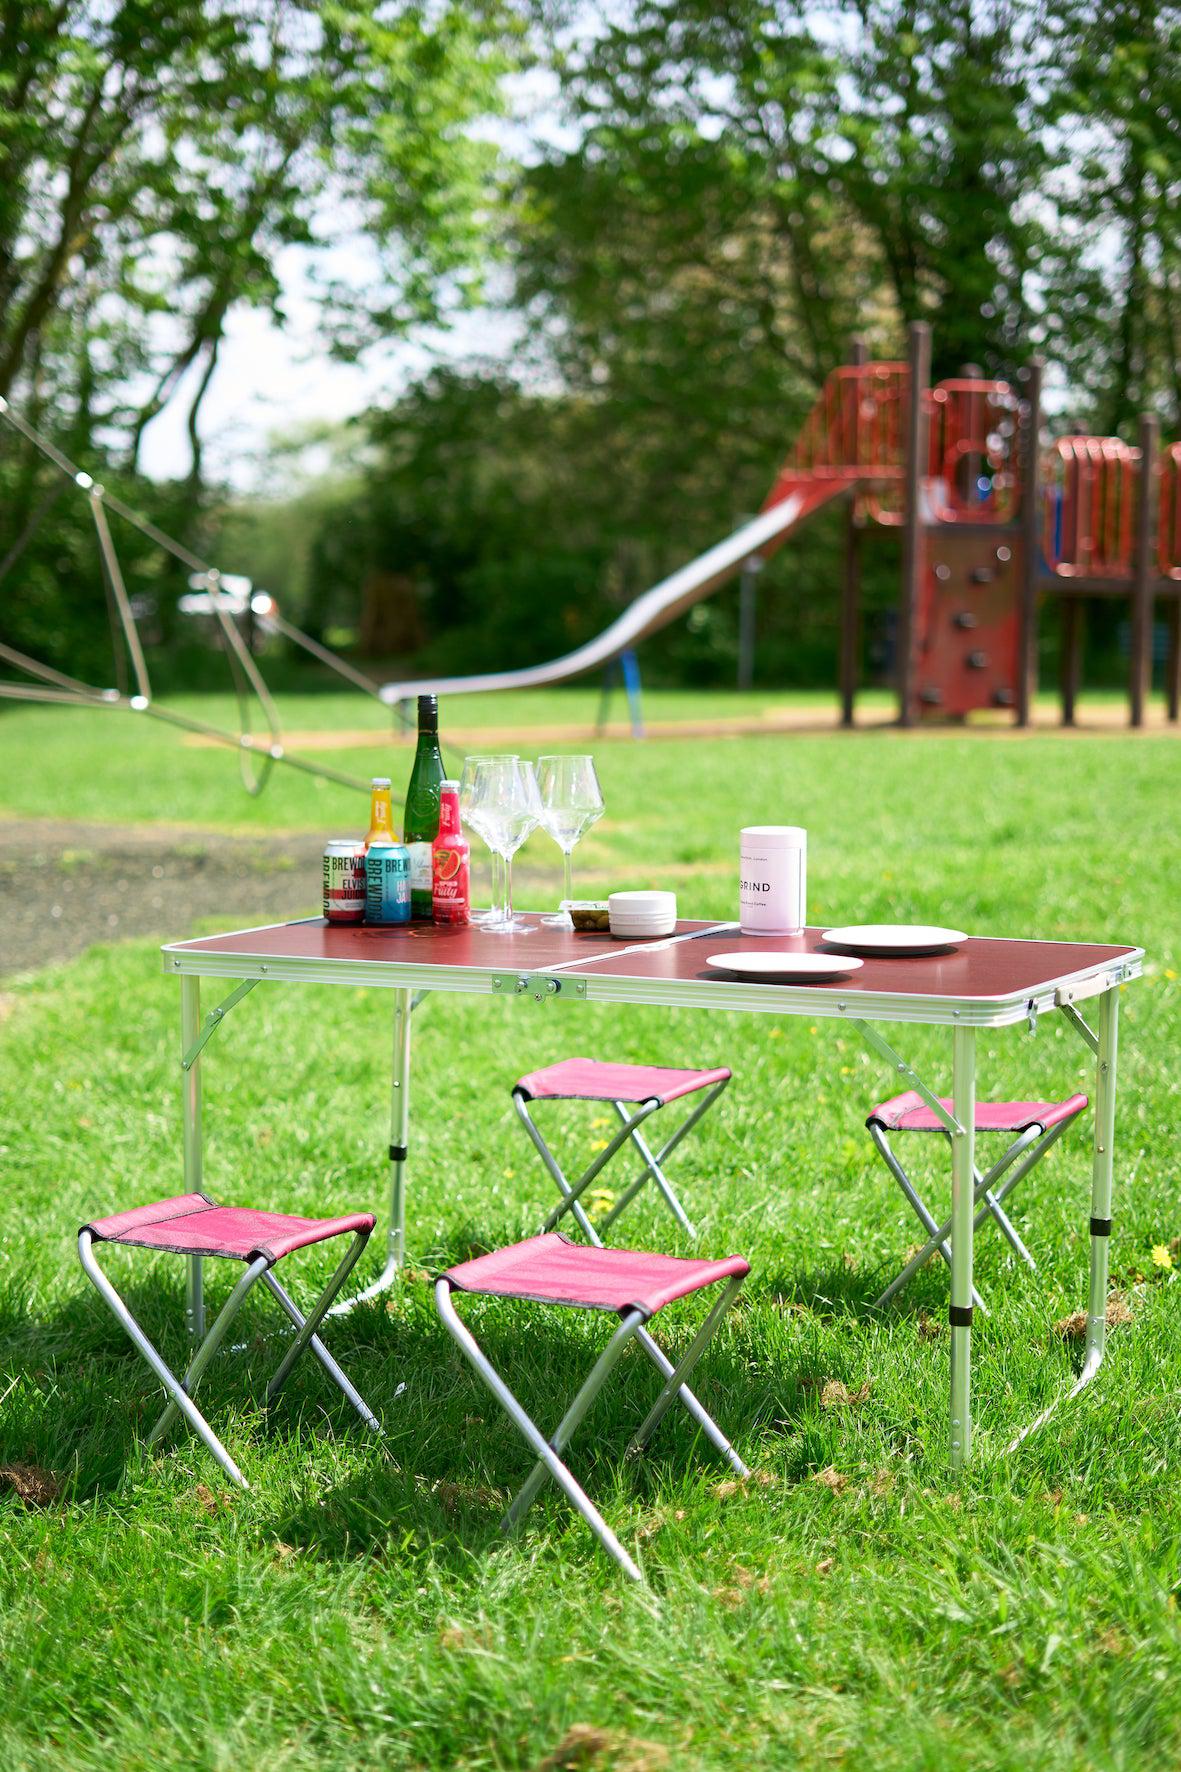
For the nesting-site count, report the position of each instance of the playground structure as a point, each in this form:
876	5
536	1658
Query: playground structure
992	526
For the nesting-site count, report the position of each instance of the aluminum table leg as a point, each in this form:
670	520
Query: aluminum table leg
190	1028
963	1211
399	1138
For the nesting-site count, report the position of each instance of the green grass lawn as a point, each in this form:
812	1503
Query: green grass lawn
854	1605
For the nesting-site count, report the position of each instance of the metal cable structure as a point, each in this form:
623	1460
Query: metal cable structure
258	749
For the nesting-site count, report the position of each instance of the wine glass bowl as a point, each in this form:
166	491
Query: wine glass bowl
503	808
571	800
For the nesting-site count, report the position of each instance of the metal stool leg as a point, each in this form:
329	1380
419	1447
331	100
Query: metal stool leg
937	1233
551	1163
685	1365
697	1410
167	1378
571	1421
577	1189
321	1352
983	1186
319	1311
652	1164
532	1435
212	1342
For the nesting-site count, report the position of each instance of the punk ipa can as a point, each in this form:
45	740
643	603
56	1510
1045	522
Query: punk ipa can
344	882
387	883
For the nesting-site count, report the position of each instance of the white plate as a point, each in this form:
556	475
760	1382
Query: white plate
894	938
780	967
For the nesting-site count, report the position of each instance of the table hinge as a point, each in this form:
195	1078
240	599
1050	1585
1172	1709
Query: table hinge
541	986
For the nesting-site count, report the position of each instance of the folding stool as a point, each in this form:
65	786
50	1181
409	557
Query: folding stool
551	1269
193	1224
644	1087
1038	1124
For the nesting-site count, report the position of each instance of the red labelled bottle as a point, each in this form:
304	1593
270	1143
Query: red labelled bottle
451	880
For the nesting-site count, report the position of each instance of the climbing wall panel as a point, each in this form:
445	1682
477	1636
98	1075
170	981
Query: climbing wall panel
967	626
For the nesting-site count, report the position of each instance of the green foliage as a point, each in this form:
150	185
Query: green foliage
157	163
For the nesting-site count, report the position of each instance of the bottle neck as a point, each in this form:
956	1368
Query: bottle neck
449	814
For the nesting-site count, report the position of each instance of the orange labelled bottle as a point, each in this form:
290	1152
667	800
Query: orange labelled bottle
381	813
451	883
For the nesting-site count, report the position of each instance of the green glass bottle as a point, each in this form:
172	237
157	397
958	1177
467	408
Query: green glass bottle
421	825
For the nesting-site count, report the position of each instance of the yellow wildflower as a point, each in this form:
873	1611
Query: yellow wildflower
1161	1256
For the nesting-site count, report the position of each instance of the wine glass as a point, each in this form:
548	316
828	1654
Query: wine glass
571	801
471	816
506	807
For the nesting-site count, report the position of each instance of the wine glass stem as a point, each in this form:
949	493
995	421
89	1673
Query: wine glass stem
568	859
497	888
508	889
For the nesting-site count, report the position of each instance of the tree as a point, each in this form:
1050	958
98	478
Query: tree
156	161
1114	286
868	167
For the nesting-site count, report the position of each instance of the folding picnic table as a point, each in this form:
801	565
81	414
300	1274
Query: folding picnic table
984	983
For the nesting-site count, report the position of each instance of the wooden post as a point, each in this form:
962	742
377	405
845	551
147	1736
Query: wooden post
915	467
1070	663
1031	548
1140	663
851	591
1173	662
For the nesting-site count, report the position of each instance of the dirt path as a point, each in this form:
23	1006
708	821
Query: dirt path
64	886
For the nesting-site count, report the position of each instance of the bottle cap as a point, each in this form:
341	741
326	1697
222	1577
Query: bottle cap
381	781
448	787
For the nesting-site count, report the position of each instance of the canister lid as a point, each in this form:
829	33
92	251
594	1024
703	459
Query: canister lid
643	904
777	836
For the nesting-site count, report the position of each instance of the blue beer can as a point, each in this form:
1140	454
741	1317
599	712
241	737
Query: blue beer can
387	883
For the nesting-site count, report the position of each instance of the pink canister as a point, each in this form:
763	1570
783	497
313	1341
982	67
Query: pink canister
773	879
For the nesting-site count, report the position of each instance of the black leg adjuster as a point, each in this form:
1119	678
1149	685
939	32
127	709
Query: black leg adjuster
959	1316
1101	1227
398	1153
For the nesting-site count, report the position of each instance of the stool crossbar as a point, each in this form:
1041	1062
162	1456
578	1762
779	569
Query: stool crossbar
551	1269
193	1224
1038	1125
634	1091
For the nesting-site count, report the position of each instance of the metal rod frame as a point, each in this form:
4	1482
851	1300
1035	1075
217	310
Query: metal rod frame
549	1459
653	1170
1035	1135
181	1391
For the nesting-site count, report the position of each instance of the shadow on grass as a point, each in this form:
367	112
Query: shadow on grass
84	1401
81	1400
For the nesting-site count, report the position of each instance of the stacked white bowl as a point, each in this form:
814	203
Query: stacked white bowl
640	916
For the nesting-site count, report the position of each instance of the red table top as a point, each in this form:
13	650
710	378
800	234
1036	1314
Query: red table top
982	968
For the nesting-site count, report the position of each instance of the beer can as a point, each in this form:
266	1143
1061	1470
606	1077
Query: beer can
387	883
344	882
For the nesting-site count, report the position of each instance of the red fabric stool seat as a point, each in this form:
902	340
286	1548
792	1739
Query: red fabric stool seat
594	1079
552	1269
193	1224
909	1113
